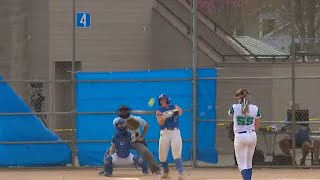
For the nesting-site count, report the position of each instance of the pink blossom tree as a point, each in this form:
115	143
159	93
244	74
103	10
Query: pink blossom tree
229	14
209	5
234	15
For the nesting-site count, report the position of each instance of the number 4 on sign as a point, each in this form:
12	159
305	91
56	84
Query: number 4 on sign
83	19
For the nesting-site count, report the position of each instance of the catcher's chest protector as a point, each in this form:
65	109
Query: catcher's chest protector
122	144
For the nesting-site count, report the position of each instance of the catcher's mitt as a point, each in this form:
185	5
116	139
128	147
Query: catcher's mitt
132	123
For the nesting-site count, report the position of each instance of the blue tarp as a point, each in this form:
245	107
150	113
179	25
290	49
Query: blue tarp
107	96
16	128
206	149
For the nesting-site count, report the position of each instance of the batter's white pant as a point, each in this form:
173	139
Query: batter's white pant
170	138
244	145
118	161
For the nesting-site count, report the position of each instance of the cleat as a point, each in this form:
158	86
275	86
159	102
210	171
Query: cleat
157	173
146	172
180	177
101	173
107	175
165	174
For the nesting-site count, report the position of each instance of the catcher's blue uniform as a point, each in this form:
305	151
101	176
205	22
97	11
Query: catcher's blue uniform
121	141
122	144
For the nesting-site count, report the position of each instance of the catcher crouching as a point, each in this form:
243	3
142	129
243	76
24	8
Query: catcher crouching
119	154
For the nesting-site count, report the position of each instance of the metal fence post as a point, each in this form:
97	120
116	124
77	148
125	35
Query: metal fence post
194	81
293	83
73	86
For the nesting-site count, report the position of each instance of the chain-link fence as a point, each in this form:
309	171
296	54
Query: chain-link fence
270	87
47	43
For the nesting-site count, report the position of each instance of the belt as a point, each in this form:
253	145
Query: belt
241	132
171	129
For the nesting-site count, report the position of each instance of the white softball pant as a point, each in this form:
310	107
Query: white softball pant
170	138
118	161
244	145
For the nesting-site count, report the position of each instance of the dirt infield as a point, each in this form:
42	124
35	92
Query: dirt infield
132	174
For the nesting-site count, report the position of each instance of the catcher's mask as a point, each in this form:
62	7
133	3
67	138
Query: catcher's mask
124	111
120	126
164	96
241	93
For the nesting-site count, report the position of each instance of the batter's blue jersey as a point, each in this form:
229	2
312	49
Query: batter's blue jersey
122	144
170	122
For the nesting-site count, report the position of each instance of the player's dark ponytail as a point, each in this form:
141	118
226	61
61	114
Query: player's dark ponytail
245	105
242	97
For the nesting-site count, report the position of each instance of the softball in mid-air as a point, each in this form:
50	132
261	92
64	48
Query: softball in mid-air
151	102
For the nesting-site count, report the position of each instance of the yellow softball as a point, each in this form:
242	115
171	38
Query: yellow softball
151	102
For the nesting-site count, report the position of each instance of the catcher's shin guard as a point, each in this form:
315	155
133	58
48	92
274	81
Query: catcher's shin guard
108	167
139	161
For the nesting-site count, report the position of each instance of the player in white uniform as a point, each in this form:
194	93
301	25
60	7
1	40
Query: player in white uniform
246	118
167	116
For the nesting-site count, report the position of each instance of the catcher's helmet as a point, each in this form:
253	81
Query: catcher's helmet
164	96
120	126
124	111
119	122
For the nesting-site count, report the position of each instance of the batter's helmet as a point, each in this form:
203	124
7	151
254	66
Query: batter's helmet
164	96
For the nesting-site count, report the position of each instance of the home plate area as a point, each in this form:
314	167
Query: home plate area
133	174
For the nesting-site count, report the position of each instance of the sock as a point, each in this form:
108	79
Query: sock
179	165
165	166
245	174
250	173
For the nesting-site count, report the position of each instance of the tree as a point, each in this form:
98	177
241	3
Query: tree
307	22
232	15
307	15
229	14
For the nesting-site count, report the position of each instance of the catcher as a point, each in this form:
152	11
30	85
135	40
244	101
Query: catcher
119	153
133	125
